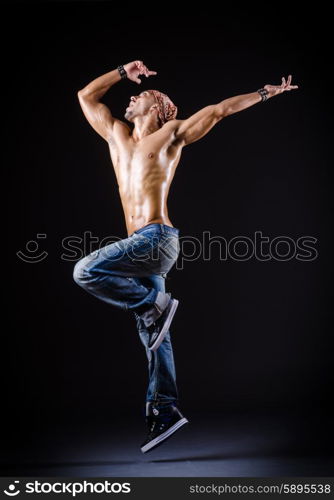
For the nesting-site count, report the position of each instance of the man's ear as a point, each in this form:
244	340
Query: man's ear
153	108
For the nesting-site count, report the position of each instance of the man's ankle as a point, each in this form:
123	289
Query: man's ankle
158	406
151	315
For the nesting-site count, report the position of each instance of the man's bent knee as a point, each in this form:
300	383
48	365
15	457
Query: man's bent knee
81	272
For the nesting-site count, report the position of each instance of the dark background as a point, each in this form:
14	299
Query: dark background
248	336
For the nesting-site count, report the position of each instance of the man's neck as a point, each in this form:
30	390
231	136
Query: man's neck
144	125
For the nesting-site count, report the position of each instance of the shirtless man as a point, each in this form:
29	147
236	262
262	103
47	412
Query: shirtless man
130	274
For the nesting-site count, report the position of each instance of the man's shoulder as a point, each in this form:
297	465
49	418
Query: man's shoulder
173	122
121	124
171	125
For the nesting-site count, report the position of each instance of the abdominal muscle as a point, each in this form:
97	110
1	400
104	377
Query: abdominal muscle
144	199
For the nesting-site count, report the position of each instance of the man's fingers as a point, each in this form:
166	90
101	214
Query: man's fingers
149	73
142	70
145	71
291	87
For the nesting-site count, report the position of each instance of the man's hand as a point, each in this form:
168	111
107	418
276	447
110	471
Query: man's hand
279	89
136	68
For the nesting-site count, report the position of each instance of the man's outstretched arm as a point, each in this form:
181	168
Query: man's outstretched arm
198	125
98	114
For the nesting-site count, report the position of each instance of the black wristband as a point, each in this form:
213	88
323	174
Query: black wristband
122	71
264	94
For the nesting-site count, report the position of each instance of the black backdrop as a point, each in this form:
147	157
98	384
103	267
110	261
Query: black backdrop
248	335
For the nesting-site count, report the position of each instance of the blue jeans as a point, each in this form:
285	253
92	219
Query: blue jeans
130	274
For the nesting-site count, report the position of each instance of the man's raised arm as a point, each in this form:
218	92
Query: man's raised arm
198	125
98	114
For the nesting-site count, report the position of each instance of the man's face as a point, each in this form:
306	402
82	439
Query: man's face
139	105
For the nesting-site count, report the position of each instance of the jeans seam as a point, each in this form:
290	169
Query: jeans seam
156	369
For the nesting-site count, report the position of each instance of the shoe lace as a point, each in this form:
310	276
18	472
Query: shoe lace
156	425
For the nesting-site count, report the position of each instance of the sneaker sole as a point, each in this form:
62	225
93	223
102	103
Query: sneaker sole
164	329
165	435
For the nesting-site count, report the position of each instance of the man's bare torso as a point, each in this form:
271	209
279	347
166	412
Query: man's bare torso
144	171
